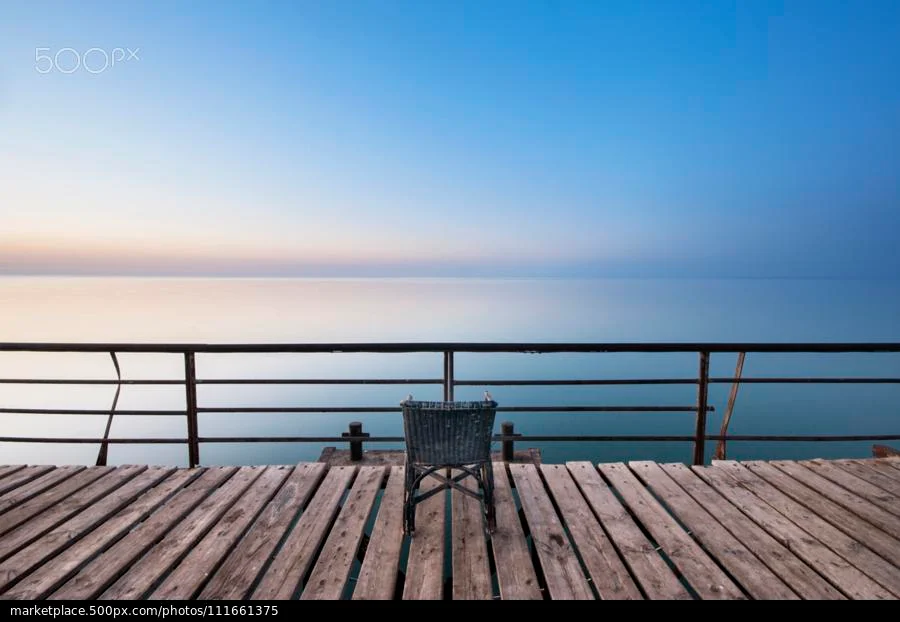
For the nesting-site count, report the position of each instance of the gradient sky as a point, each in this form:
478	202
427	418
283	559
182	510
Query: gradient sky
453	138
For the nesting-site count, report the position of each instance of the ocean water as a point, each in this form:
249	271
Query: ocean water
418	310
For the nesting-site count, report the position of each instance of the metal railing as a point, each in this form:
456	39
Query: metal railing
448	382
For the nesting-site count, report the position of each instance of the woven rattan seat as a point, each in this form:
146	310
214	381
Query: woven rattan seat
443	436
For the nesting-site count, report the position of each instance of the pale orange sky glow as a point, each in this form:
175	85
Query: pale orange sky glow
79	254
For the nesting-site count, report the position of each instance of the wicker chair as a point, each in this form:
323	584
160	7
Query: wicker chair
448	435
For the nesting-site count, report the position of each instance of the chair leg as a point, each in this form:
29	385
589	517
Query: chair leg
490	510
409	507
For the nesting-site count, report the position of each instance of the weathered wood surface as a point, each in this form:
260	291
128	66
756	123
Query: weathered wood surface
839	516
778	557
55	495
860	487
787	529
649	569
9	469
143	574
18	475
850	549
38	480
739	560
102	570
378	575
469	556
889	468
562	571
608	573
203	559
38	525
73	529
425	568
50	576
879	517
779	530
283	577
704	576
515	574
330	574
237	575
875	475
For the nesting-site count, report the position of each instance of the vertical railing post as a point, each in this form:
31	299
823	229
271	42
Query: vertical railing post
508	451
448	376
190	386
702	402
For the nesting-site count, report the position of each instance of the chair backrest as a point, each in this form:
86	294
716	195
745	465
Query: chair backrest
448	432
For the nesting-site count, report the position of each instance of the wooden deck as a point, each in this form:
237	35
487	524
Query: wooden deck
762	530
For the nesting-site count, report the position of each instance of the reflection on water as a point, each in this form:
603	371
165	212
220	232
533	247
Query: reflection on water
413	310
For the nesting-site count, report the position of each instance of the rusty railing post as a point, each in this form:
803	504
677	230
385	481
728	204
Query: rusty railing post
702	401
356	447
103	454
720	453
448	376
190	390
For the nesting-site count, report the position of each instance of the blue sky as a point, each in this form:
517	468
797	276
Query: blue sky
451	138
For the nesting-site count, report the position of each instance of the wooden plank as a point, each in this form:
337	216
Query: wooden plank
101	571
238	573
10	469
378	576
26	491
608	572
25	511
833	567
330	574
201	562
282	579
882	519
884	467
50	576
73	529
842	518
754	576
562	571
515	572
867	470
469	556
37	526
700	571
847	547
654	576
21	476
793	571
143	574
858	486
425	566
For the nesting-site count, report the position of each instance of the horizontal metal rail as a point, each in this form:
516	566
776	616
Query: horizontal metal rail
687	438
299	410
406	348
92	412
459	383
387	409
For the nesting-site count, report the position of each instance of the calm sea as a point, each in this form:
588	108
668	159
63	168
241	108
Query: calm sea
411	310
